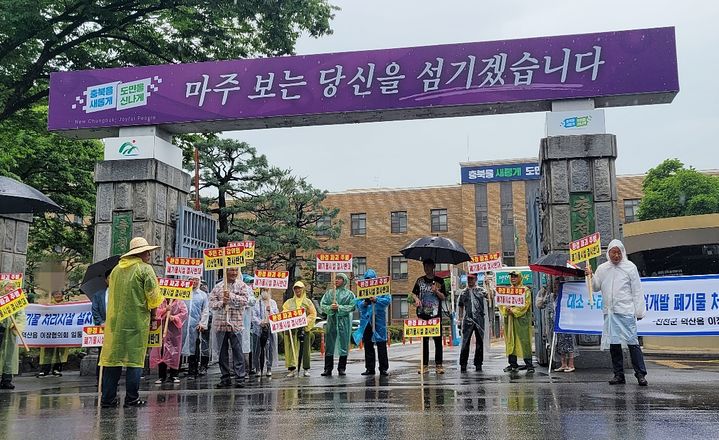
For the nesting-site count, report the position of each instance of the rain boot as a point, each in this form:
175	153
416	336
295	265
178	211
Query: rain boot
342	366
6	382
329	364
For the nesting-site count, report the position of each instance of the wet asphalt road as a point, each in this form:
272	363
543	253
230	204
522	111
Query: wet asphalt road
682	402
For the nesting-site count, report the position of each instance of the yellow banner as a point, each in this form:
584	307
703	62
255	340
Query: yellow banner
373	287
155	337
214	258
11	303
235	256
585	248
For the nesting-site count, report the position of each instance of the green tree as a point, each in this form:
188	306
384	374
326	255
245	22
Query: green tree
63	169
289	224
671	190
41	36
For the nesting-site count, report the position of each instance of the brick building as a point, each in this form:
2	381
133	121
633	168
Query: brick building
487	212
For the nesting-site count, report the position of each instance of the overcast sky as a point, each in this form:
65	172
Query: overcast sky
427	152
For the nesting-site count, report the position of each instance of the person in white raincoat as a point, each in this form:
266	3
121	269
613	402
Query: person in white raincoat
622	304
247	323
194	346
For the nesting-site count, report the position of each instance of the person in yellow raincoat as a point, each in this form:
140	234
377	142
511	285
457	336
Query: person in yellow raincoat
517	328
52	358
133	293
9	350
301	338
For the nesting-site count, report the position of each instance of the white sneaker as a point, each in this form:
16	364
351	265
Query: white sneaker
269	373
291	374
306	373
159	382
176	380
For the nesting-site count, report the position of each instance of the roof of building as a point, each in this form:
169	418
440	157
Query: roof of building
489	163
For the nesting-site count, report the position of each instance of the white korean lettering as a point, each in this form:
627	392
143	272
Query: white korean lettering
363	79
228	79
563	67
523	72
469	65
197	89
297	81
594	65
263	87
434	72
331	81
493	70
390	84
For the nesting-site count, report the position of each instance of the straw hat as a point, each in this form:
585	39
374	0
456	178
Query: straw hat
139	245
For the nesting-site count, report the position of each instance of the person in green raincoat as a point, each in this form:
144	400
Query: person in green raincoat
338	304
52	358
9	350
517	328
133	293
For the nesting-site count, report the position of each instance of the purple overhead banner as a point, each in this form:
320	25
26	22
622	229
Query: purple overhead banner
616	68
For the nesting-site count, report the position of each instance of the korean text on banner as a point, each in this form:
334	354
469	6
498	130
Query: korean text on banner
58	325
234	256
214	258
249	245
374	287
420	328
12	302
154	338
175	289
288	320
510	296
585	248
271	279
187	267
16	279
93	336
676	306
334	262
485	262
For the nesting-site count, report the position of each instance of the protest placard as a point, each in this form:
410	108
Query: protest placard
93	336
15	278
11	302
248	245
154	338
289	320
509	296
186	267
373	287
271	279
57	325
585	248
485	262
234	256
421	328
214	258
175	289
334	262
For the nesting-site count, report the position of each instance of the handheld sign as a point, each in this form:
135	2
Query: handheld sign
421	328
289	320
248	245
234	256
510	296
15	278
214	258
11	302
271	279
485	262
175	289
93	335
181	266
334	262
373	287
585	248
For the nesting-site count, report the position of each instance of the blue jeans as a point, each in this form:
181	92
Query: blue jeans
111	378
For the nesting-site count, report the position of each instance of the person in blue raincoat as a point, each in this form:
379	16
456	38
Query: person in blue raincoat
373	329
338	304
194	345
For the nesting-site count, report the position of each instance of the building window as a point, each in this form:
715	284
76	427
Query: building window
399	268
359	224
508	258
399	222
482	218
324	226
631	208
439	220
442	267
359	266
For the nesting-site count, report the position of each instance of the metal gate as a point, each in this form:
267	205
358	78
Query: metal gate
196	231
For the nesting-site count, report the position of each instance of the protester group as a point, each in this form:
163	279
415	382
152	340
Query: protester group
231	324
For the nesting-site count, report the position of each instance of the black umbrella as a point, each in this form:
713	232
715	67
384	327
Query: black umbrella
94	279
439	249
556	264
18	198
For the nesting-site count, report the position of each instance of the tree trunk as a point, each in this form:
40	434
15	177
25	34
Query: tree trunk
291	268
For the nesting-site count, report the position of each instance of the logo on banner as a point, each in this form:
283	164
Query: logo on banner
129	149
117	95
